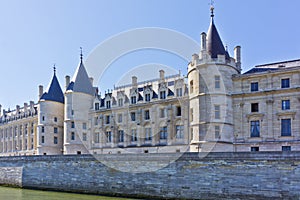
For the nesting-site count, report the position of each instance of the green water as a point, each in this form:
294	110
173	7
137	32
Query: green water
7	193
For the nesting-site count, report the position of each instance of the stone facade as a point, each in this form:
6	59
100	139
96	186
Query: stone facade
214	109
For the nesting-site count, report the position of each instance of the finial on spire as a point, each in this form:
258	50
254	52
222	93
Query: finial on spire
54	68
212	8
81	54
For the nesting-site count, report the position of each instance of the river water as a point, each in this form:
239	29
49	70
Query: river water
7	193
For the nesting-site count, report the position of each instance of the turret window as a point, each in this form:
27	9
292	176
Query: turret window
72	124
43	140
217	82
191	87
217	132
217	112
55	119
55	130
43	130
72	135
55	140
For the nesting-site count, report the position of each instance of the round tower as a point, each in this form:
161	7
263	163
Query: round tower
50	119
210	88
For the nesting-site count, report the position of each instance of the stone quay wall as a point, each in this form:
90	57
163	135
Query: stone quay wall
251	175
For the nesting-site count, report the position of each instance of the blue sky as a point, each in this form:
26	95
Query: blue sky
36	34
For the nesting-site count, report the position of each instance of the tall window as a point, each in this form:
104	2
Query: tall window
132	115
120	135
120	118
179	132
43	130
84	126
120	102
191	87
55	119
97	106
254	128
162	113
147	97
72	135
217	132
43	140
285	83
162	94
72	124
55	130
179	92
217	112
163	133
97	137
84	136
108	136
107	119
148	135
285	104
147	115
133	100
286	127
133	135
108	104
254	107
55	140
217	82
178	111
254	86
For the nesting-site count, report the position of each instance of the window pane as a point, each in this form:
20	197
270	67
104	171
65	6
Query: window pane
285	83
285	104
254	129
286	127
254	86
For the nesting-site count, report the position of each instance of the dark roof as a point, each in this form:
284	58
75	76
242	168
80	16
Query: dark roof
214	43
170	93
258	70
54	92
154	95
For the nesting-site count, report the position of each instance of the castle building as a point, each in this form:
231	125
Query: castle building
214	108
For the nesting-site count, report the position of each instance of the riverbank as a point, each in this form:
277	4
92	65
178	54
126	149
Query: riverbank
251	175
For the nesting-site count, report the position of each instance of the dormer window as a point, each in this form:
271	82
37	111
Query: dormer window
162	94
108	105
179	92
147	97
120	102
97	106
133	100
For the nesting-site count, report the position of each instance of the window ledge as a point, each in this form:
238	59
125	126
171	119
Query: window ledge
286	114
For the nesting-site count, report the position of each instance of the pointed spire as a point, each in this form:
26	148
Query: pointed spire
54	92
214	45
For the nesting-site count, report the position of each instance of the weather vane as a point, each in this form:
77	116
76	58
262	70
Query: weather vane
81	53
54	68
212	2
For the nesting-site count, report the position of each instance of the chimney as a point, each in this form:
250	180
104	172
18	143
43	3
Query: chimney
134	81
203	41
67	81
40	91
17	109
92	80
237	57
162	75
25	107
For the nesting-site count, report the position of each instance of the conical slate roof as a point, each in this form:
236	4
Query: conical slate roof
81	81
214	43
54	92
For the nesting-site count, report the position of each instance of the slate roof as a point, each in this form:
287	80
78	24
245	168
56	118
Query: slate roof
81	81
214	43
258	70
54	92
